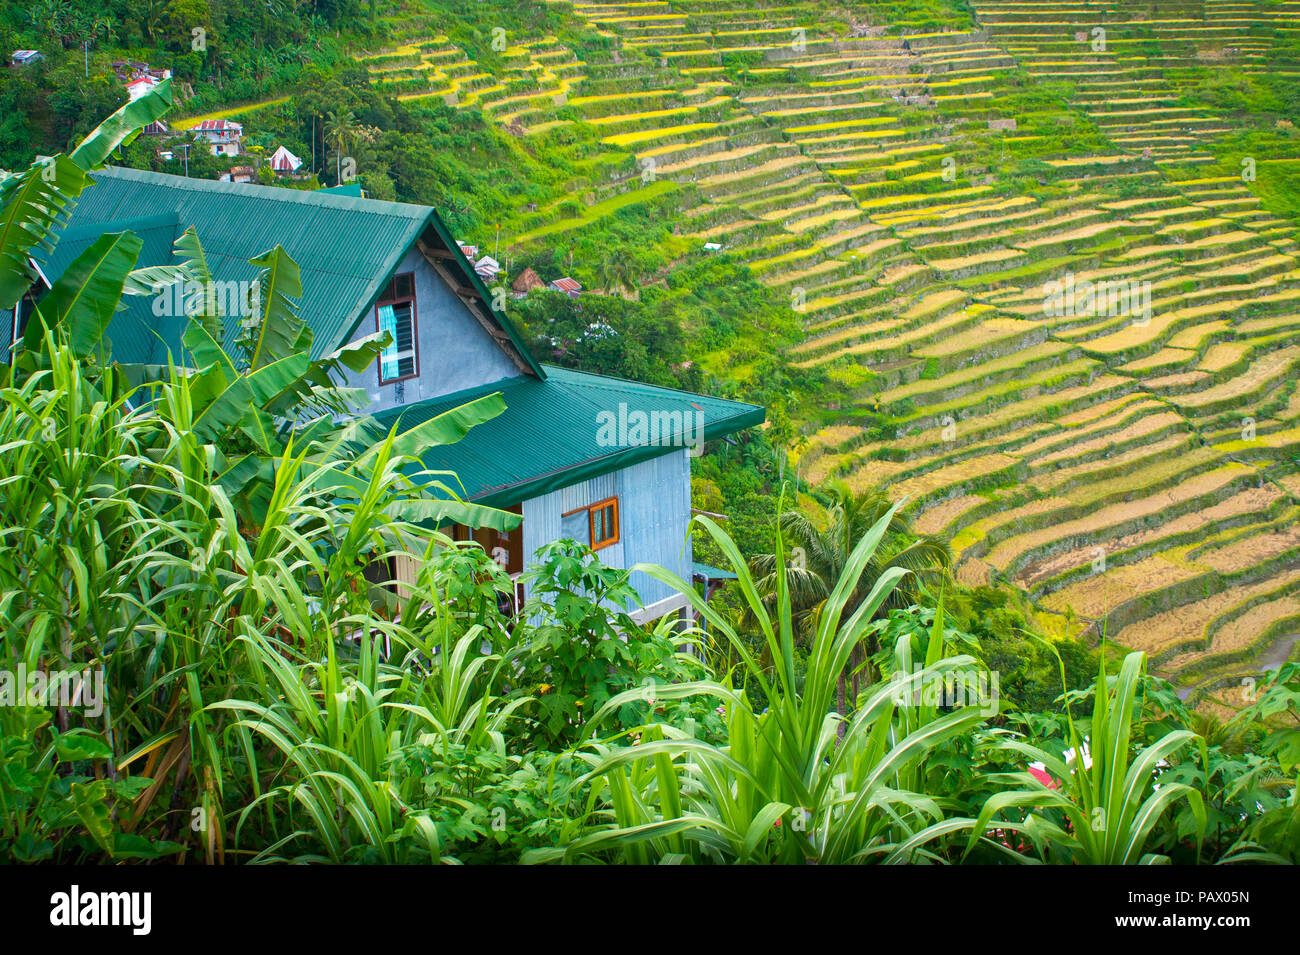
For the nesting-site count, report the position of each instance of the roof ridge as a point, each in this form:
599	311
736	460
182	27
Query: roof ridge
555	434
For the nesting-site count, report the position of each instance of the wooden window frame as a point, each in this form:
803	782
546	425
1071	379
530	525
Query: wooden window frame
591	523
415	330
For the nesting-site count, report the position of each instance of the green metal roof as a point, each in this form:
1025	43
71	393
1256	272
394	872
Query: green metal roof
141	335
550	436
710	573
345	189
346	247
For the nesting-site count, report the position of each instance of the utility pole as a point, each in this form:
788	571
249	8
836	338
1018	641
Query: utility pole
186	147
85	46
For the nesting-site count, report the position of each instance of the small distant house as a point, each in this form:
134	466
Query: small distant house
138	82
140	85
603	461
712	247
469	251
528	281
487	268
26	57
139	77
222	136
568	286
284	162
239	174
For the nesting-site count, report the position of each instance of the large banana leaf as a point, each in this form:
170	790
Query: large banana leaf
152	279
123	126
446	428
357	355
439	511
37	199
225	411
260	428
205	350
273	379
188	247
278	331
34	202
317	386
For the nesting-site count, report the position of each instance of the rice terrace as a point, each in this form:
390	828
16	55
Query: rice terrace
927	200
657	432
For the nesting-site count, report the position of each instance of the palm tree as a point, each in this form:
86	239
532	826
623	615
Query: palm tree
820	554
340	132
151	17
617	275
222	60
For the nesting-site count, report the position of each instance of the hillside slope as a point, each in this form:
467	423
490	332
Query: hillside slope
1042	257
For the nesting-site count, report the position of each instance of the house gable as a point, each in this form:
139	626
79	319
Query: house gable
454	351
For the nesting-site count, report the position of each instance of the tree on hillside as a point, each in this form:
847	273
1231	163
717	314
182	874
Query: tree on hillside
340	133
617	275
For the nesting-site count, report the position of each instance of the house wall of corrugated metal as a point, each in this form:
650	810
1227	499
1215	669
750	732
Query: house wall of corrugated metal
654	506
655	509
454	351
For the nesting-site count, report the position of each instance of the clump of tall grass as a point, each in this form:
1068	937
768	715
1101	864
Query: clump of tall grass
784	786
121	553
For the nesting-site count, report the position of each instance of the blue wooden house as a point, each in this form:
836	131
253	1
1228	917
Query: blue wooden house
597	459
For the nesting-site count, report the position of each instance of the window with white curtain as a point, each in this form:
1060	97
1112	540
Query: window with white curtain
395	312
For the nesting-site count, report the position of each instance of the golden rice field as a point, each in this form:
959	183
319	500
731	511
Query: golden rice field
926	218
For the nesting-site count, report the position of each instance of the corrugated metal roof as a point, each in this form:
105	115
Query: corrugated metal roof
135	332
710	573
551	434
344	189
346	247
217	126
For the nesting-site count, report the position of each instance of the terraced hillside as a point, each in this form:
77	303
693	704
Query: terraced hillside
1058	312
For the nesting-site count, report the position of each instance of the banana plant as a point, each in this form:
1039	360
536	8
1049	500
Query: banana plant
1108	801
37	200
